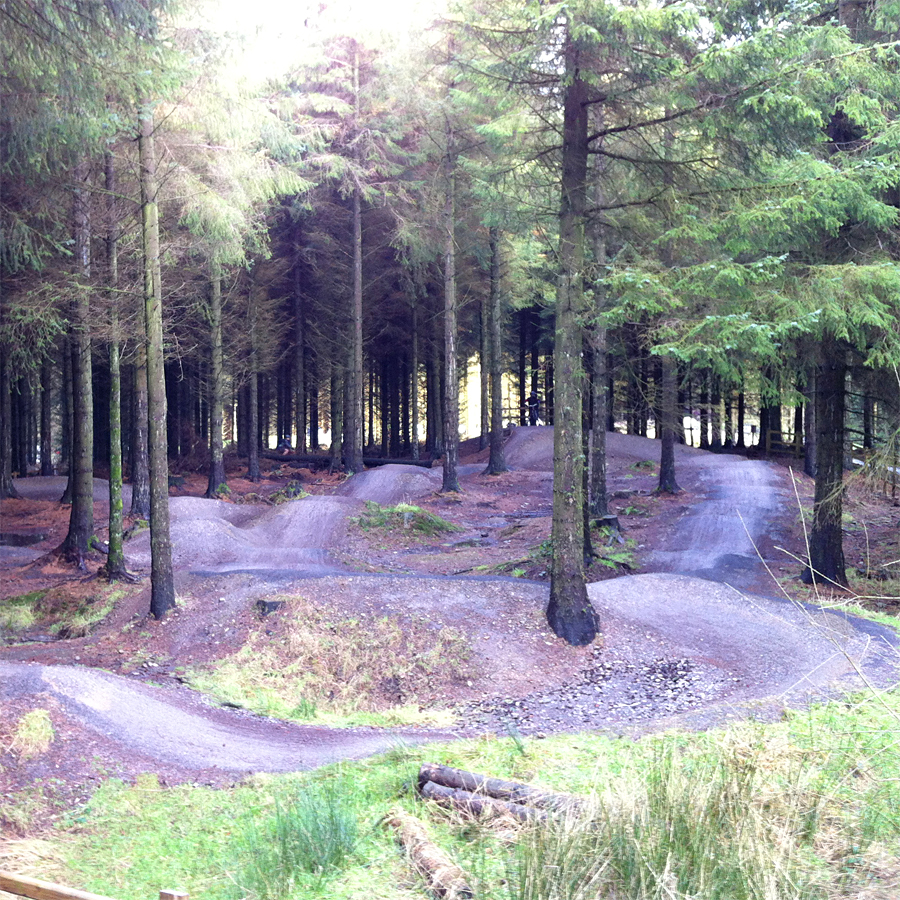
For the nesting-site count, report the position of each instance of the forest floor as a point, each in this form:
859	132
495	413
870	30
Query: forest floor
690	601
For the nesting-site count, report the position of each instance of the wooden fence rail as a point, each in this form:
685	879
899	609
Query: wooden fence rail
46	890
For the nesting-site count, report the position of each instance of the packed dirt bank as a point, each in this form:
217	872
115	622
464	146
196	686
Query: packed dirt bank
677	648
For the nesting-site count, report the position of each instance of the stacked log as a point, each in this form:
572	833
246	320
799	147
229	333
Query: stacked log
471	795
479	794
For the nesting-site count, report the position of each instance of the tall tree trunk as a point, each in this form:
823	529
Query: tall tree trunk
337	424
313	391
704	410
597	340
569	612
669	415
216	386
299	359
497	461
451	379
729	418
254	435
826	550
7	487
140	456
46	418
162	580
81	477
485	367
405	442
394	382
599	504
741	412
414	396
523	366
115	560
809	426
715	412
67	417
534	369
354	411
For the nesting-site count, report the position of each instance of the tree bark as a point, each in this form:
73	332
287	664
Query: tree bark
477	805
162	581
312	385
715	412
81	476
484	349
115	559
826	550
414	393
354	411
253	437
809	426
216	387
46	418
444	878
597	340
704	411
337	425
510	791
299	357
451	378
739	442
569	612
669	413
7	487
140	457
523	366
497	462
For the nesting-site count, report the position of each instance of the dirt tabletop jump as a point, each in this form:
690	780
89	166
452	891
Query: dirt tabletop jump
694	628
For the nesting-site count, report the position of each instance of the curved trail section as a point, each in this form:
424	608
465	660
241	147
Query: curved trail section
685	648
175	728
718	537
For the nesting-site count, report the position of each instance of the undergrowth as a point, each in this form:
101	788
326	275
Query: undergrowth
305	840
33	734
341	670
804	809
18	613
404	517
58	611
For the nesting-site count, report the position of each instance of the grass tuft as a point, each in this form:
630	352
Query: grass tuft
19	613
307	839
33	734
403	516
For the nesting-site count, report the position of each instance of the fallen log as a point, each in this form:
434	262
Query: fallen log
320	461
511	791
444	877
478	804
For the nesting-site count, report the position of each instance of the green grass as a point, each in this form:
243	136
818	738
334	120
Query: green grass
339	670
85	615
33	734
403	517
305	841
58	612
19	613
807	808
293	490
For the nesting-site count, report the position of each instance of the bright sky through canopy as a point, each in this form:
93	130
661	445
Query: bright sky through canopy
274	32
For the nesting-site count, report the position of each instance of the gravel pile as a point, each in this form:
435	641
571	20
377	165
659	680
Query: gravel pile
609	694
